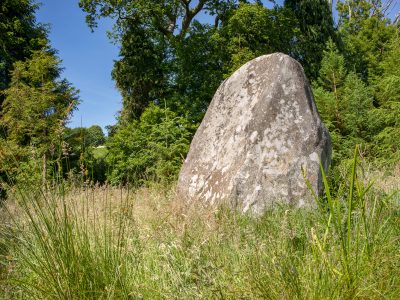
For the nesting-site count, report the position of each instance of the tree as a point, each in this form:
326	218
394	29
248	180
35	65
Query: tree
19	36
95	136
33	101
366	34
151	34
316	27
198	68
331	77
37	104
357	101
344	101
169	58
369	96
170	18
384	120
357	112
254	30
153	38
141	73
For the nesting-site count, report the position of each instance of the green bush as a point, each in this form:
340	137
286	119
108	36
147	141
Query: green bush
149	149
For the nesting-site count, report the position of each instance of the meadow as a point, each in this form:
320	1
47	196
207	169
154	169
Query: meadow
104	242
88	215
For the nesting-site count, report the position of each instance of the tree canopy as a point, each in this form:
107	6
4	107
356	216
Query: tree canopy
19	35
168	56
170	59
173	56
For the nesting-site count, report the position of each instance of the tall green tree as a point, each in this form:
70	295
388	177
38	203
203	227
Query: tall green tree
34	101
20	34
366	34
384	119
357	101
344	102
254	30
359	111
167	56
316	27
37	102
332	75
199	69
141	72
37	105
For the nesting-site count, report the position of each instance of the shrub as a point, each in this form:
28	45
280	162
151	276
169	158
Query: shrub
149	149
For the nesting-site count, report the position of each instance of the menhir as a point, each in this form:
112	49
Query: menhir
260	140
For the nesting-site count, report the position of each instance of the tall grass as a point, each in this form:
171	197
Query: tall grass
68	249
107	243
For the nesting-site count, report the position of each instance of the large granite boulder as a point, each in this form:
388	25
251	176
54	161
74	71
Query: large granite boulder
261	134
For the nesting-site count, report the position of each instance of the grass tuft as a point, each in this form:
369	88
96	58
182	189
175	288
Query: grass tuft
108	243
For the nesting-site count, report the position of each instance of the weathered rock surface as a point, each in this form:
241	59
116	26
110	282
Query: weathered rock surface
260	131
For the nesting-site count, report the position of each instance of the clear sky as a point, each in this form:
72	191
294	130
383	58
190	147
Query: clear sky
88	59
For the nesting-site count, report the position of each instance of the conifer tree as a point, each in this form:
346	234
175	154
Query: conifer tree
384	121
356	103
37	104
331	77
19	36
316	27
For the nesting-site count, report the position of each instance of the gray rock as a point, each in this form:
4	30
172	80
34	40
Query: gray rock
260	132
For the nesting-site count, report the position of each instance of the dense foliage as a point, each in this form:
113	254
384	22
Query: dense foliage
171	53
36	107
173	56
19	36
350	64
35	101
356	90
149	149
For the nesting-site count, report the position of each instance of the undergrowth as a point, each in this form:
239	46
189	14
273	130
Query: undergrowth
108	243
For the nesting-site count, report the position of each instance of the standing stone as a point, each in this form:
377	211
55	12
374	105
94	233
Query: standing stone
261	134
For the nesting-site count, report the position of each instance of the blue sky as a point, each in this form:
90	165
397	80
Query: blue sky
88	59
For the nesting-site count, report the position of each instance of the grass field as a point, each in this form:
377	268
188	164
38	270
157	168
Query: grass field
109	243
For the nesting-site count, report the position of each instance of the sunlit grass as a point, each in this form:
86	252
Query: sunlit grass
109	243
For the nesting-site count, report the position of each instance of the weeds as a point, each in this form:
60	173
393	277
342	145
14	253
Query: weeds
105	243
